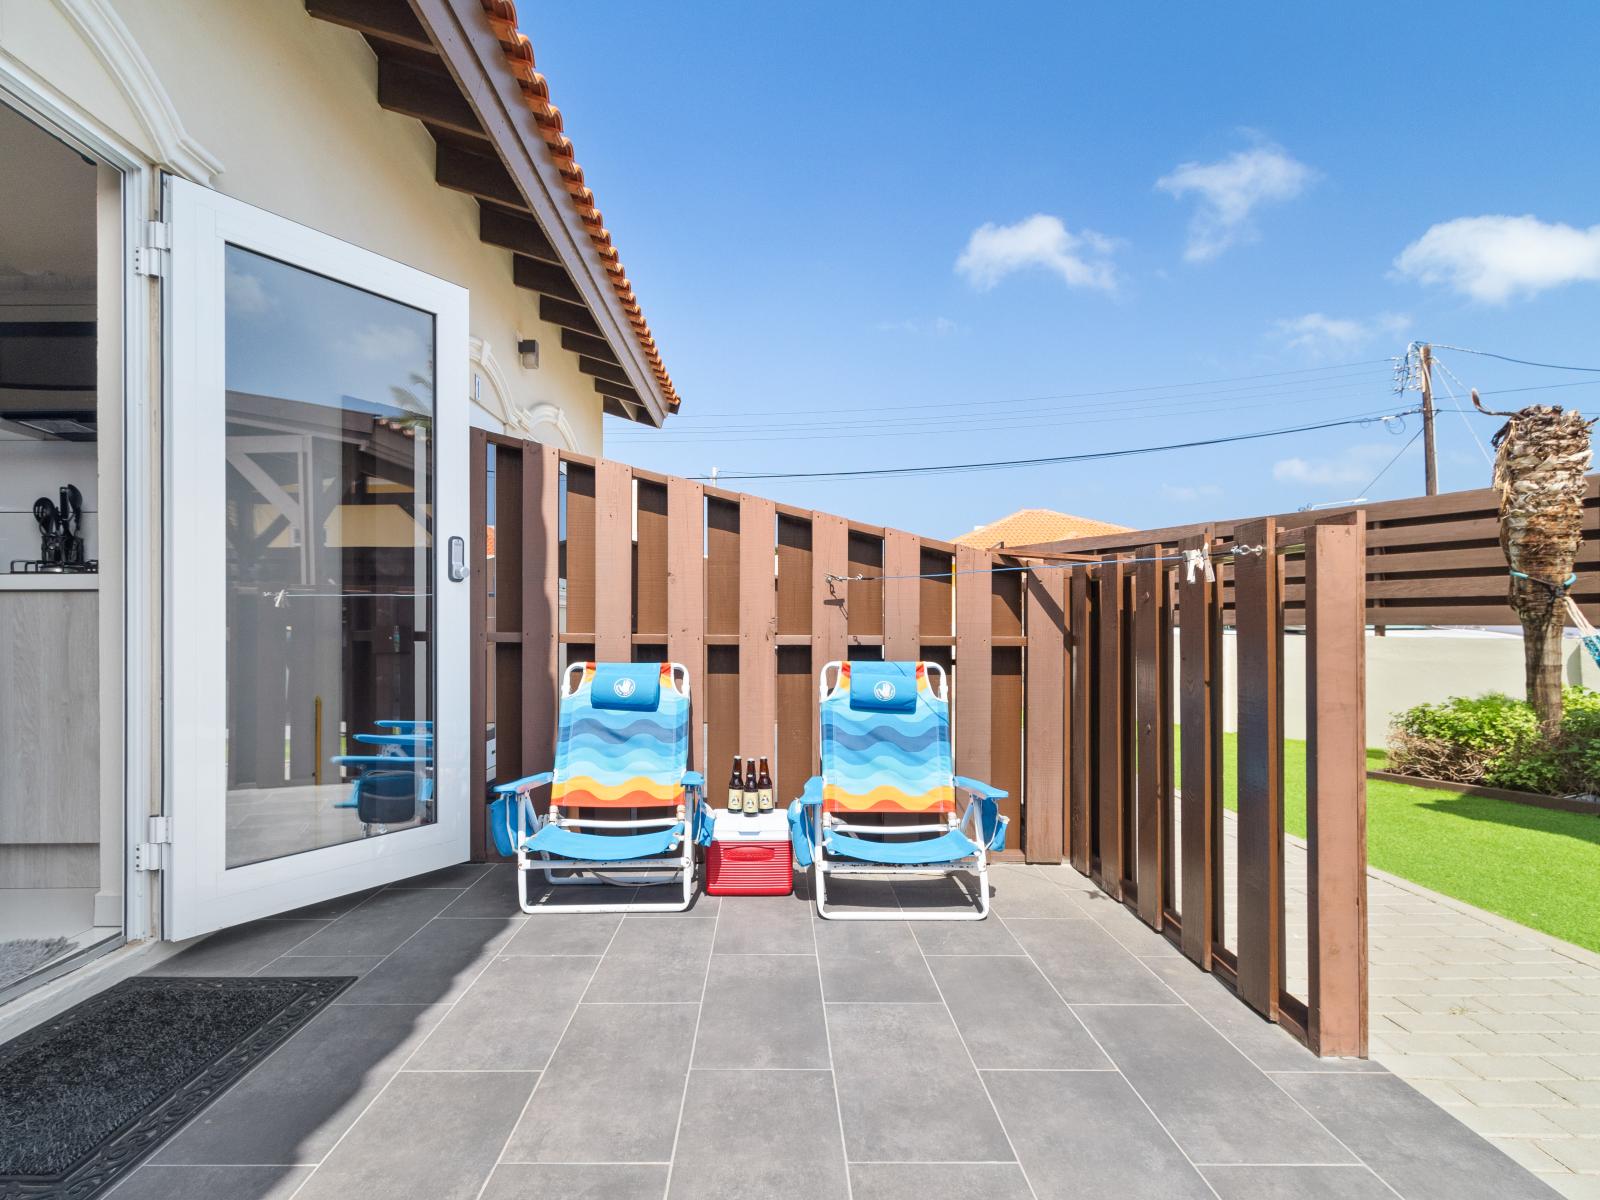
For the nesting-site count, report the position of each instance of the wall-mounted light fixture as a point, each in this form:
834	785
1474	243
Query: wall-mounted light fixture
528	354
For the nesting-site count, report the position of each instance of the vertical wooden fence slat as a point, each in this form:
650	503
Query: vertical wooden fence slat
580	548
758	619
1336	791
829	596
797	755
1197	828
541	597
686	604
613	562
650	559
1260	739
972	664
864	597
722	566
1005	697
902	561
1044	729
1149	661
477	714
936	599
1167	707
1080	666
1109	724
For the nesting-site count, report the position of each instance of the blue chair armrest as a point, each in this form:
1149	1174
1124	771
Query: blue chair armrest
525	784
694	780
811	797
371	760
978	788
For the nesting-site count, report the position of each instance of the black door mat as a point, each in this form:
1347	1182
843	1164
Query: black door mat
85	1097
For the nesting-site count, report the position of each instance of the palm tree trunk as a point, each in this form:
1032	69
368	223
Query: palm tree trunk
1542	454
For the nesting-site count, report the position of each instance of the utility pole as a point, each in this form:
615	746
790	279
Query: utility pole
1430	462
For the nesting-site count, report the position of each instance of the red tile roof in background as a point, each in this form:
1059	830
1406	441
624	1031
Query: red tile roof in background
1028	526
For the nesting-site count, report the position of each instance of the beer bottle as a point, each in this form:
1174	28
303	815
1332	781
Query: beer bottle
752	798
736	788
764	788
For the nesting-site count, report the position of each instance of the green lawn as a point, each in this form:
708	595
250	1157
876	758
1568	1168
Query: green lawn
1534	865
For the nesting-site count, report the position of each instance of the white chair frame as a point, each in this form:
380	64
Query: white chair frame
679	868
823	866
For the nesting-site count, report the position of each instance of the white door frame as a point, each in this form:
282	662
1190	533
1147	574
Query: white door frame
200	893
134	593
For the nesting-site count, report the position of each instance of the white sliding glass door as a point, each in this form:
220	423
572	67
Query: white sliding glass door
317	617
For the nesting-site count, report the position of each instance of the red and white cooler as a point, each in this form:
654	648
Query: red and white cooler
750	855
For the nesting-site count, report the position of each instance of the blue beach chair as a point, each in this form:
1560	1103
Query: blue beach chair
886	749
622	745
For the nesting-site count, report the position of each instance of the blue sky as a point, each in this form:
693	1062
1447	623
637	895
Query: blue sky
893	235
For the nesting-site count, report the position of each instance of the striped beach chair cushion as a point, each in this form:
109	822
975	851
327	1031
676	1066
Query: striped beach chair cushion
886	742
622	739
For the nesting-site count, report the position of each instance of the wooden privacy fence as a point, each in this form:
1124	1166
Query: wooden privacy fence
1431	560
1063	680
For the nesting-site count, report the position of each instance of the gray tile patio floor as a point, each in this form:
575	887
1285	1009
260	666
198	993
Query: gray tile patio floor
745	1049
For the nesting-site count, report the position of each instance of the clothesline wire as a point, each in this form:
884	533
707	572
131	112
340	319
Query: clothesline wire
1215	553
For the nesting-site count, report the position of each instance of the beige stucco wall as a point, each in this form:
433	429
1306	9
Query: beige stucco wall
288	106
1404	671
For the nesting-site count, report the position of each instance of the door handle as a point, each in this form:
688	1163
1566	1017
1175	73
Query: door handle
457	564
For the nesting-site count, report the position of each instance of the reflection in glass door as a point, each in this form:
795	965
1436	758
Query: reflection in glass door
329	448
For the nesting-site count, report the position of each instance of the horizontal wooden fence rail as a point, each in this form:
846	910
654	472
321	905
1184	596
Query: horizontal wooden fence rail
1069	689
1431	560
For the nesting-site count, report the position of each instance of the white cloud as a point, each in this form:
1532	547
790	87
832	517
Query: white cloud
937	327
1355	465
245	293
1229	190
1319	334
1082	259
1494	258
1191	491
383	343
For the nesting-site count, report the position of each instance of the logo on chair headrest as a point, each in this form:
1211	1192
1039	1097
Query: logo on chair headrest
622	688
884	690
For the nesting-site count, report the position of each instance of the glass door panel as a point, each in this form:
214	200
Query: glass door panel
316	473
329	448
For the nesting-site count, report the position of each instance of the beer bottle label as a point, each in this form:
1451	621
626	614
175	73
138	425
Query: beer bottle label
764	797
751	803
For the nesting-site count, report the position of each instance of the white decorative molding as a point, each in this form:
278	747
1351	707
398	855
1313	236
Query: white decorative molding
487	367
517	420
553	417
113	43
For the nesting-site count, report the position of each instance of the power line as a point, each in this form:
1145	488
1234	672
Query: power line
1149	387
1364	491
884	416
1006	426
1053	460
1520	361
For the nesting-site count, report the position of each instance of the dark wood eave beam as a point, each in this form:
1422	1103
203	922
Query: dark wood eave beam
619	390
430	96
381	20
603	370
567	315
547	278
479	175
516	231
582	343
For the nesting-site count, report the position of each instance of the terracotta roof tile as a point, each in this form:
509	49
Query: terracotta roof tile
518	50
1027	526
